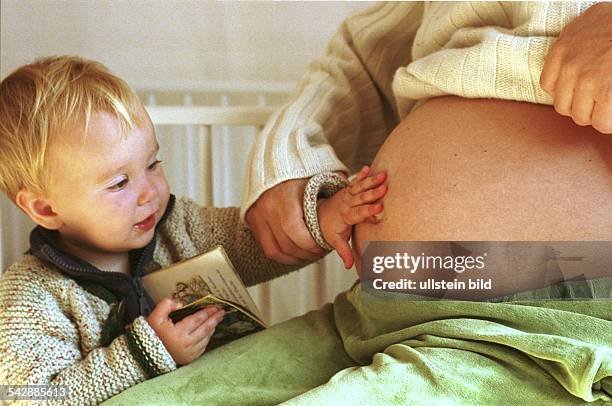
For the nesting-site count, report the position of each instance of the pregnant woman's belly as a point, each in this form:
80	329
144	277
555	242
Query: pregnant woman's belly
493	170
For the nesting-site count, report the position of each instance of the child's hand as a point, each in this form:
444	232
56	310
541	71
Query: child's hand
187	339
352	205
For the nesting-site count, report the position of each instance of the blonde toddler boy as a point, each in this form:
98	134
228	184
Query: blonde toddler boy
78	154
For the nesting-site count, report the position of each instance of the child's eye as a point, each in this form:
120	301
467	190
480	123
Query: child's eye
155	164
119	185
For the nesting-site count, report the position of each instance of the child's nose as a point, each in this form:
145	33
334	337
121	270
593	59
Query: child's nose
147	192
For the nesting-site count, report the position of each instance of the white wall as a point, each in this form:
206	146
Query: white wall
165	43
150	42
156	44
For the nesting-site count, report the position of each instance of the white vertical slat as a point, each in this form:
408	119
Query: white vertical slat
219	173
190	169
227	162
205	152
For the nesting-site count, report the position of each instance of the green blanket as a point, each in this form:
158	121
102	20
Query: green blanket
401	349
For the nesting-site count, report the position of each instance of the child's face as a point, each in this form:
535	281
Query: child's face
108	191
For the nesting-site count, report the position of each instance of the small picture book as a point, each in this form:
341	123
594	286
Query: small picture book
208	279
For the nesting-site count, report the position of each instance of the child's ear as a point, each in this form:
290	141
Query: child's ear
39	209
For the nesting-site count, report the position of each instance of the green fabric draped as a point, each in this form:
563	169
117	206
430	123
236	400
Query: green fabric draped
532	348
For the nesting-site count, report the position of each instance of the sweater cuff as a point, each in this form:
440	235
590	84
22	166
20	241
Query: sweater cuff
146	347
323	185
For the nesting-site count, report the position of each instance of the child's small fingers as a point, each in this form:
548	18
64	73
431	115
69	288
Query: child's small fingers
207	328
201	346
375	219
359	214
160	314
369	196
359	177
167	305
195	320
370	182
346	253
362	174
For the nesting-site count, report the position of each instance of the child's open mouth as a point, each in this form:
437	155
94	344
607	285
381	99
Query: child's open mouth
147	223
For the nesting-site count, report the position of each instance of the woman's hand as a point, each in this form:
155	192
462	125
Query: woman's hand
578	69
356	203
187	339
277	222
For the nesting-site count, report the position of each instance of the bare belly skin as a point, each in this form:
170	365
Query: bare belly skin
493	170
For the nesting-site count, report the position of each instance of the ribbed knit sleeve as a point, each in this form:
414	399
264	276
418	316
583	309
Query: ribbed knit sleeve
386	59
483	50
343	108
49	334
192	230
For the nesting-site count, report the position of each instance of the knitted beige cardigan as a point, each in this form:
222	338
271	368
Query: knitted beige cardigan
51	327
387	57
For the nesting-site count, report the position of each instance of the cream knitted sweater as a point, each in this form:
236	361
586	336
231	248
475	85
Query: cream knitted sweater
387	57
51	327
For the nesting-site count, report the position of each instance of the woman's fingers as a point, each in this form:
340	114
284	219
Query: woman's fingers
276	222
289	242
582	105
592	105
272	248
602	114
550	72
564	92
578	69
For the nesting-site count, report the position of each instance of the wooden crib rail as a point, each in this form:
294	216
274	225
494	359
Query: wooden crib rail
210	115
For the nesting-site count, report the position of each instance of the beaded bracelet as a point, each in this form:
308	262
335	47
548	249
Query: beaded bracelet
321	185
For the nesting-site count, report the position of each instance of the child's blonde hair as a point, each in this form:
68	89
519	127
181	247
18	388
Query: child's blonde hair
40	101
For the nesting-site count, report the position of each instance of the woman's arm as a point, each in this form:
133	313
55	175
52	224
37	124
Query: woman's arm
338	116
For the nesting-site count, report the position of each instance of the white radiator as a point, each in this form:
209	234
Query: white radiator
205	135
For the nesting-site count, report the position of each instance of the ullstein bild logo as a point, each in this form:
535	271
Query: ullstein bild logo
480	270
